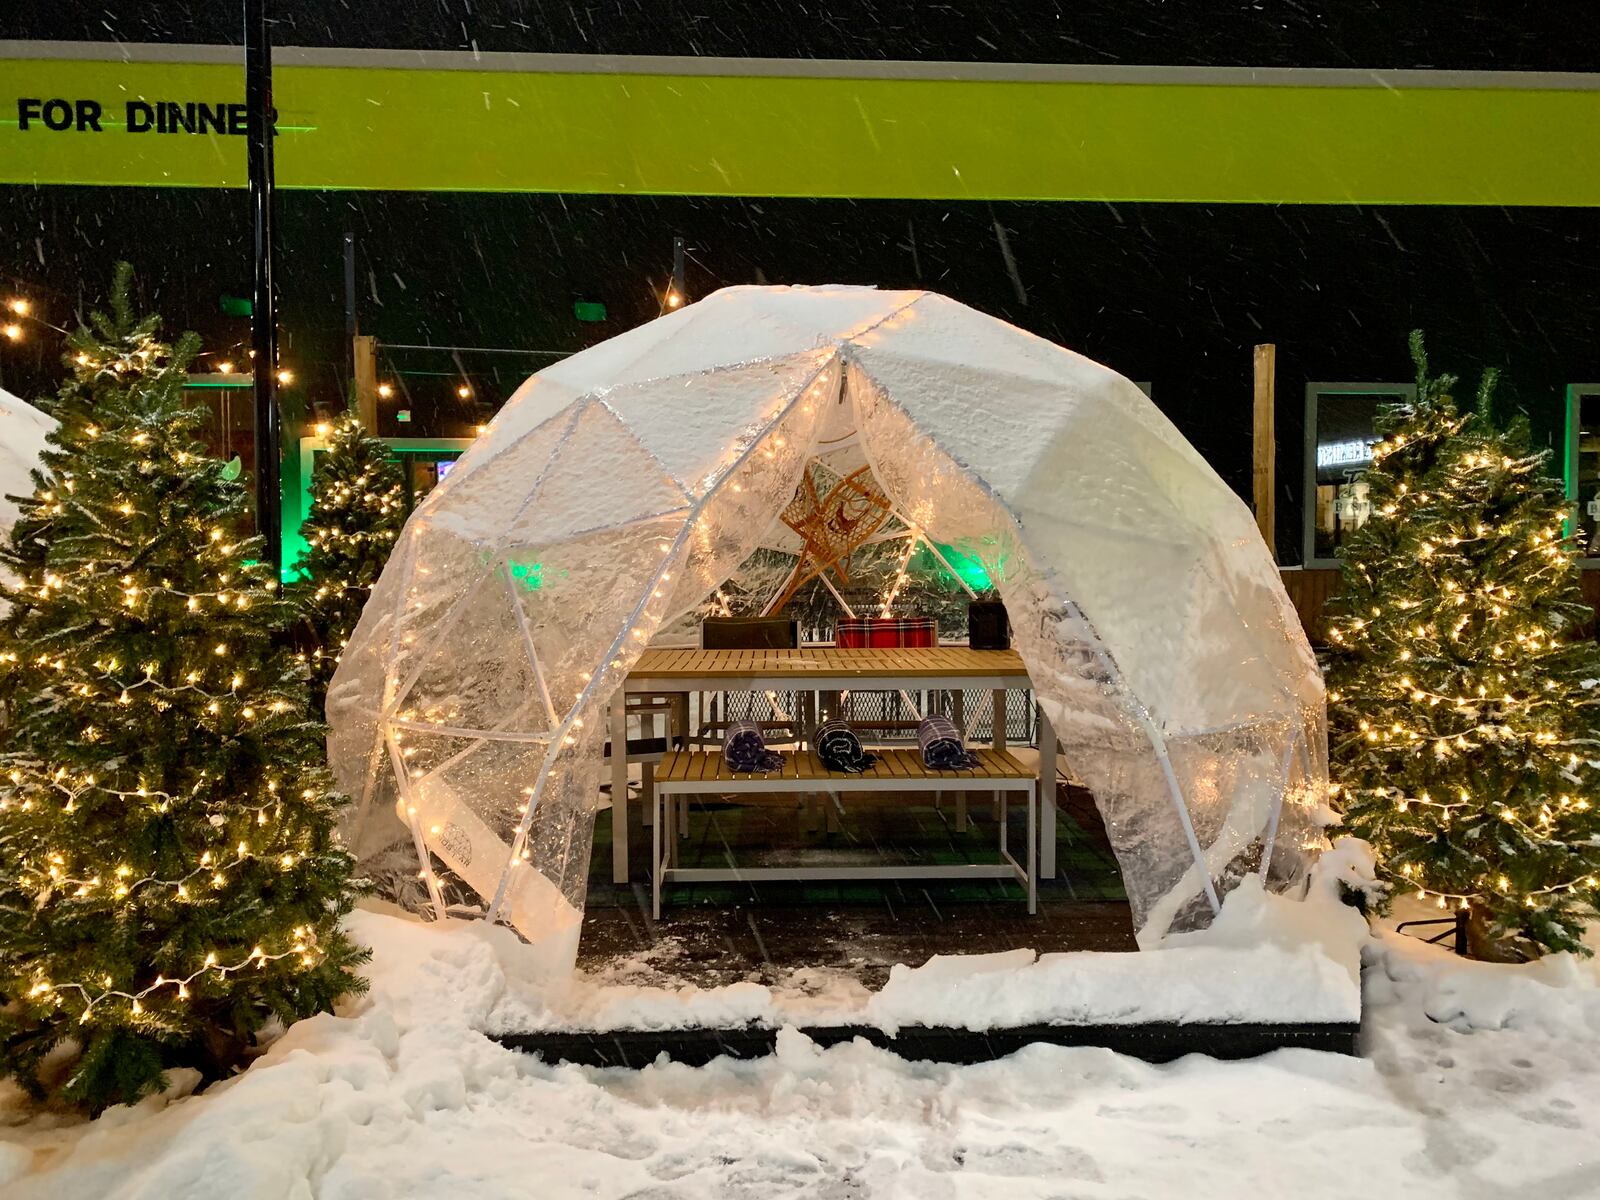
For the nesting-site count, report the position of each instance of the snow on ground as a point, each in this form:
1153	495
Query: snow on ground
1265	959
1477	1080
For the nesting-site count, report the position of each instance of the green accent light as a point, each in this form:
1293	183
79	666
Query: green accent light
237	306
529	575
969	567
589	310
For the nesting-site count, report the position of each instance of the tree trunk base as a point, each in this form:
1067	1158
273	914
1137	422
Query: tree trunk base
1481	942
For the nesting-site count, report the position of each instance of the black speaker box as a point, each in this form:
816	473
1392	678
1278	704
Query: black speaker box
987	627
749	633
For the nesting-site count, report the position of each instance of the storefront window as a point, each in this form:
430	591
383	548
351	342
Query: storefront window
423	471
1583	464
1341	428
229	400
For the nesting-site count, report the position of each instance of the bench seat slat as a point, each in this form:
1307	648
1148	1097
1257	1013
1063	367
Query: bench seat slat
898	765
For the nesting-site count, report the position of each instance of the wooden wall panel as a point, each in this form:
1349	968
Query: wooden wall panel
1309	591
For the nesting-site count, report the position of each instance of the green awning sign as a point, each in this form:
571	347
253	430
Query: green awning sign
161	115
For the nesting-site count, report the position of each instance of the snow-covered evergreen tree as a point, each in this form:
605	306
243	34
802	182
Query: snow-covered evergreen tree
1462	694
170	876
357	510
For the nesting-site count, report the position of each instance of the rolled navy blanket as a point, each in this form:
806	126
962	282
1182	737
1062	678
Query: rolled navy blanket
942	748
745	750
839	748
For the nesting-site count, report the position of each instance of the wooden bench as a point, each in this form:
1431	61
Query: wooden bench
699	772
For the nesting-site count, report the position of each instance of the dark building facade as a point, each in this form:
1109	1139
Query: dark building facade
1173	295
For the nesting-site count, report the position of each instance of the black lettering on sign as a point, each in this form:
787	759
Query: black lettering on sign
57	115
140	116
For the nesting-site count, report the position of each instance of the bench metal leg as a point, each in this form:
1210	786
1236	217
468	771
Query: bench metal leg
647	789
997	730
655	857
671	809
647	730
1033	851
619	788
961	811
1047	796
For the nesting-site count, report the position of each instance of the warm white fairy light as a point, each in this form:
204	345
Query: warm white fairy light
1475	678
56	808
886	606
304	947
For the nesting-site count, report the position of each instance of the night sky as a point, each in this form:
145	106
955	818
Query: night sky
1170	294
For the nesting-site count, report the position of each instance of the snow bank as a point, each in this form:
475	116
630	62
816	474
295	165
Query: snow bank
402	1096
1559	992
1266	958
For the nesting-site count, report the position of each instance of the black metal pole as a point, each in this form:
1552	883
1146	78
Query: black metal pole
352	326
264	316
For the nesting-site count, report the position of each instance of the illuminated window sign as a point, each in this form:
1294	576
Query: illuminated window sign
1354	452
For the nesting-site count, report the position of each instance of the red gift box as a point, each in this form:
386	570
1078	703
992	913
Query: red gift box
858	632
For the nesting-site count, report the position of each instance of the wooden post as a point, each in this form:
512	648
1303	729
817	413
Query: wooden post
366	362
1266	445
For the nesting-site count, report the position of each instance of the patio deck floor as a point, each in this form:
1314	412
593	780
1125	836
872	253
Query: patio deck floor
714	934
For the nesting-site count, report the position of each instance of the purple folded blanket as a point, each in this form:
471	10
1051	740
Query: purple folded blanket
745	750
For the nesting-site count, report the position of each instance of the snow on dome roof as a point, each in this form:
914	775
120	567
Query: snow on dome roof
22	433
618	487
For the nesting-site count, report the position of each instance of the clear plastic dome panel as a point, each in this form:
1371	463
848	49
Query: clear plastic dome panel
599	477
698	426
621	486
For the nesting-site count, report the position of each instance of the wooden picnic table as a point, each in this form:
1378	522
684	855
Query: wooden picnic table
685	773
826	668
812	669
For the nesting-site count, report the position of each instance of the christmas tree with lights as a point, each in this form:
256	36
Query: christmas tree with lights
170	876
1462	689
357	510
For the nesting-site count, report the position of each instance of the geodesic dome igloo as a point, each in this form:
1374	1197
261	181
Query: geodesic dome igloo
618	488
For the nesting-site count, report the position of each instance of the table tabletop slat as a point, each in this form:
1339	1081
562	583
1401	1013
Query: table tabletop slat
909	662
706	766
